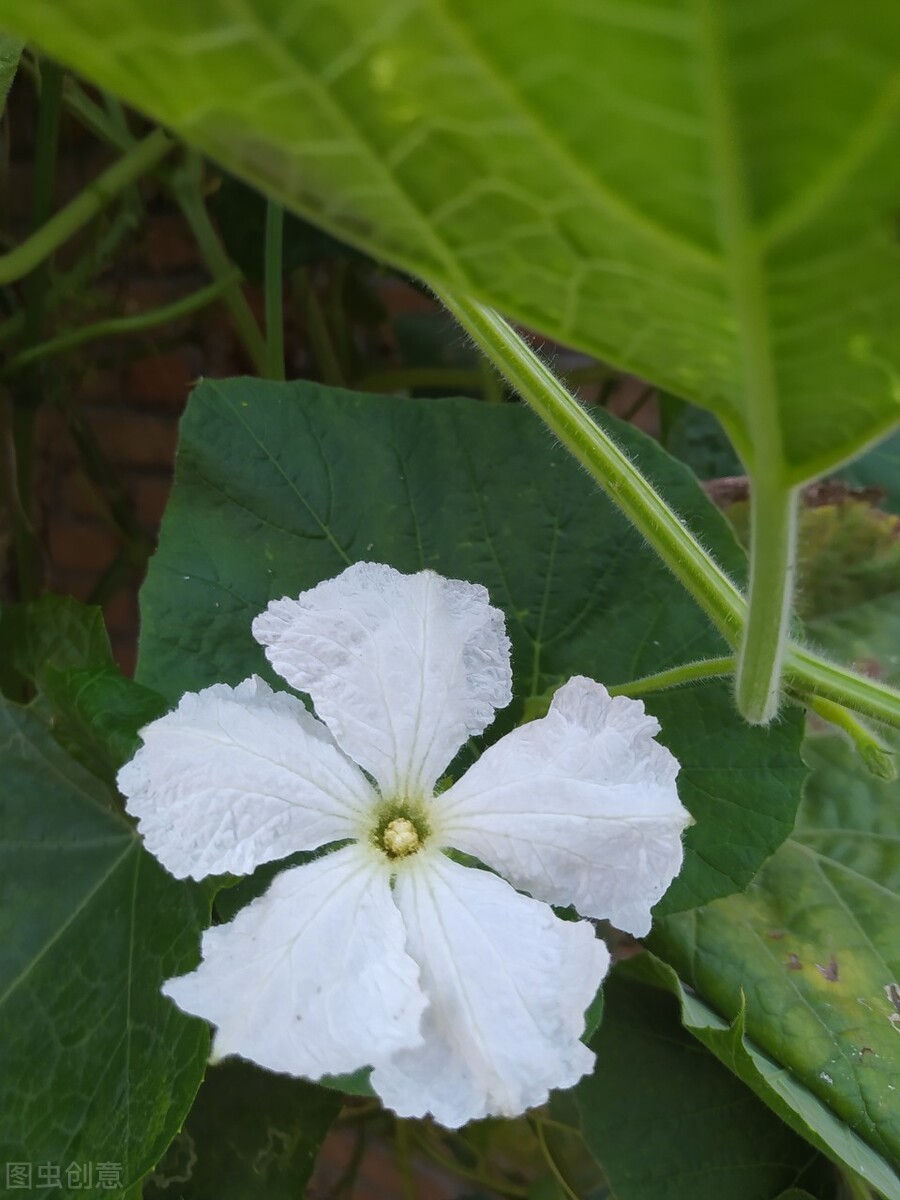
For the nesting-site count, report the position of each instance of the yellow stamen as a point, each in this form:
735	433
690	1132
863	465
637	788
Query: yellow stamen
400	838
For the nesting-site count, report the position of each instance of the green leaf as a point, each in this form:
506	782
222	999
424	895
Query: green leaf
240	213
812	947
10	52
707	202
270	498
698	439
879	467
664	1118
60	648
97	712
780	1089
53	632
250	1134
95	1064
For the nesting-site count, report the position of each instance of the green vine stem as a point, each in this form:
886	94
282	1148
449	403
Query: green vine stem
773	539
707	668
877	757
537	1128
808	673
121	326
612	469
187	187
318	333
27	398
86	205
274	290
454	1167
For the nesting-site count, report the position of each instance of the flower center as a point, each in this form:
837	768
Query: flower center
400	838
402	827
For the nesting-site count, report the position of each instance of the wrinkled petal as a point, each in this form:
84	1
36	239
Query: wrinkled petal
507	983
401	668
312	978
578	808
235	777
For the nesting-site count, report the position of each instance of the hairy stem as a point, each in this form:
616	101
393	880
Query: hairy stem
877	757
773	536
707	668
807	673
812	675
612	469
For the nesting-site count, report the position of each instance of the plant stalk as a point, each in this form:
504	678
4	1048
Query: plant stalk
187	187
609	466
120	326
808	674
773	538
274	290
52	233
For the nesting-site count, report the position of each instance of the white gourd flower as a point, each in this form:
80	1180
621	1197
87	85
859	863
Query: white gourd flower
466	997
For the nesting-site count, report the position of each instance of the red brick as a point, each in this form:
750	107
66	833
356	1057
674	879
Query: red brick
168	244
82	545
125	652
136	439
121	614
98	386
79	496
151	495
79	584
163	380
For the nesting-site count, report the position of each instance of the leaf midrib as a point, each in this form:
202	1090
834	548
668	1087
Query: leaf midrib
763	451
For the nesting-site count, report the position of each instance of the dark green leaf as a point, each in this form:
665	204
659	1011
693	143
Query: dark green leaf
274	492
59	648
781	1090
251	1134
697	438
666	1120
880	468
52	632
97	713
10	50
812	947
240	213
95	1064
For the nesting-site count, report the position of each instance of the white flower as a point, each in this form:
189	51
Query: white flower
466	997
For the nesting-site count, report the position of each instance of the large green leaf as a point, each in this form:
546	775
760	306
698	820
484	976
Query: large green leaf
812	946
666	1120
95	1065
780	1089
275	489
701	194
251	1133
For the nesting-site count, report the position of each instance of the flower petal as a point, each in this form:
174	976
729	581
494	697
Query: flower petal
401	668
579	807
507	983
311	978
235	777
